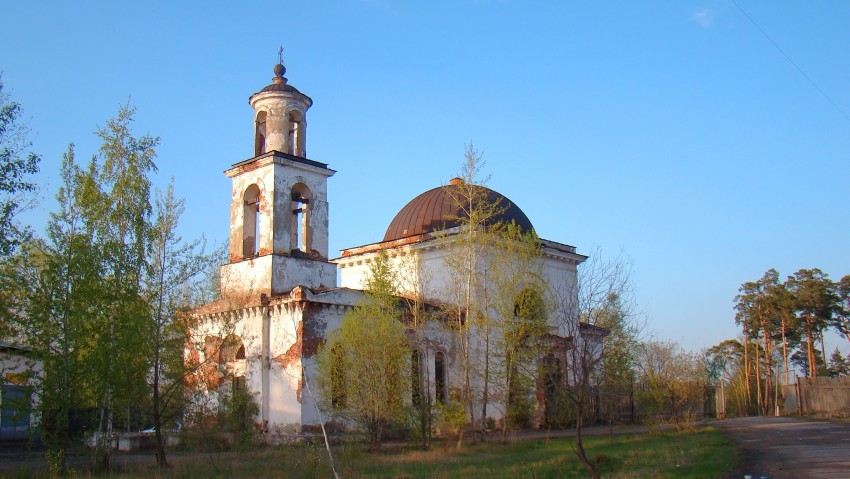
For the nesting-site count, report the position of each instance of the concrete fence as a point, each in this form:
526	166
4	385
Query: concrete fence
821	395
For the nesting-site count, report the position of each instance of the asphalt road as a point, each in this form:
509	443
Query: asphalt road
789	448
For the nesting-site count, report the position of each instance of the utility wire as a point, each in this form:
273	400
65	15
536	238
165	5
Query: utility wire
792	62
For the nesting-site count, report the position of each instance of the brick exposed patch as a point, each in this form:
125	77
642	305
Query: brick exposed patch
293	353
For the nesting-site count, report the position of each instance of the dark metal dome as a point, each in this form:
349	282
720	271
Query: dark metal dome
279	82
438	209
280	87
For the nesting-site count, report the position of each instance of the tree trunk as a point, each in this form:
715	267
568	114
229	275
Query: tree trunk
810	350
758	374
747	367
767	368
580	452
785	351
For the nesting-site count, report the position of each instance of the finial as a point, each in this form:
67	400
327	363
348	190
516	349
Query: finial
279	69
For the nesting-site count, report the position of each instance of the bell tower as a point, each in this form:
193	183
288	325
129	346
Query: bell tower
279	207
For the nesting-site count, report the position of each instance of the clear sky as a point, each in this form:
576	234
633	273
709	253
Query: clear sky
705	146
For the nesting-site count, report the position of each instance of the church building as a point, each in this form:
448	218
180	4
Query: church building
282	292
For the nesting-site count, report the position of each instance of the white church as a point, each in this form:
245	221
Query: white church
281	294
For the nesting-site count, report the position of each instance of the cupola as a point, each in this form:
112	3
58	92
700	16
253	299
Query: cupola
280	116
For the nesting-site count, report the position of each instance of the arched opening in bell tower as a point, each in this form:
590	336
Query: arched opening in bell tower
296	133
260	133
251	221
300	221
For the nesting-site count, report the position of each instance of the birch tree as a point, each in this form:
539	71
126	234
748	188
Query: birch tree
477	214
115	196
362	366
172	265
17	163
579	307
57	286
516	328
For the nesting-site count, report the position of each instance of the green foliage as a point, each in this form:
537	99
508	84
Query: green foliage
16	164
58	289
815	303
364	365
171	267
725	362
452	420
620	345
236	412
675	383
96	299
838	365
468	263
841	320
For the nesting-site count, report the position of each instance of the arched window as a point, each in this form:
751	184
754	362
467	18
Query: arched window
415	379
231	349
251	222
296	133
300	222
338	377
529	318
553	380
440	376
260	134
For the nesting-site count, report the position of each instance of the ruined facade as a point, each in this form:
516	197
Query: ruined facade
279	292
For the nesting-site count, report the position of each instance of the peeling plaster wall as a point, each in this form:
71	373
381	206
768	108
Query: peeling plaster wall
275	274
298	325
276	176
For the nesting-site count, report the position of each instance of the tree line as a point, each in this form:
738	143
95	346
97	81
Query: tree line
101	299
783	327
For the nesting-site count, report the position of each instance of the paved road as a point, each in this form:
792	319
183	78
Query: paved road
790	448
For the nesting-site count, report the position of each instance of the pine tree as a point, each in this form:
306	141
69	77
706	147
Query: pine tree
838	365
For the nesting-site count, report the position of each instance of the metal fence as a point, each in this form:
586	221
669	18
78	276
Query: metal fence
631	403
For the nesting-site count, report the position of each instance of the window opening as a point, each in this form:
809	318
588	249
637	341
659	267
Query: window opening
300	221
15	410
440	376
552	391
295	133
338	377
251	222
260	136
415	379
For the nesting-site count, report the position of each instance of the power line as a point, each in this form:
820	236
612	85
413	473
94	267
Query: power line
791	61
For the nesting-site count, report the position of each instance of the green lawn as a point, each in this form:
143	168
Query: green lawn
702	454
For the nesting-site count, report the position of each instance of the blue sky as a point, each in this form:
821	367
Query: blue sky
675	132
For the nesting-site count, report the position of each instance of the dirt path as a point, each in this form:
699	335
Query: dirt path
790	448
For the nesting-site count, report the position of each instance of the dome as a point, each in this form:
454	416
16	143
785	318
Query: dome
435	210
279	82
285	87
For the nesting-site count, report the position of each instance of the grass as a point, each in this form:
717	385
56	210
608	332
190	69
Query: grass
702	454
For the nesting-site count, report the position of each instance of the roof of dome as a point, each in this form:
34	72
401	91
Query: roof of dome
435	210
279	82
280	87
